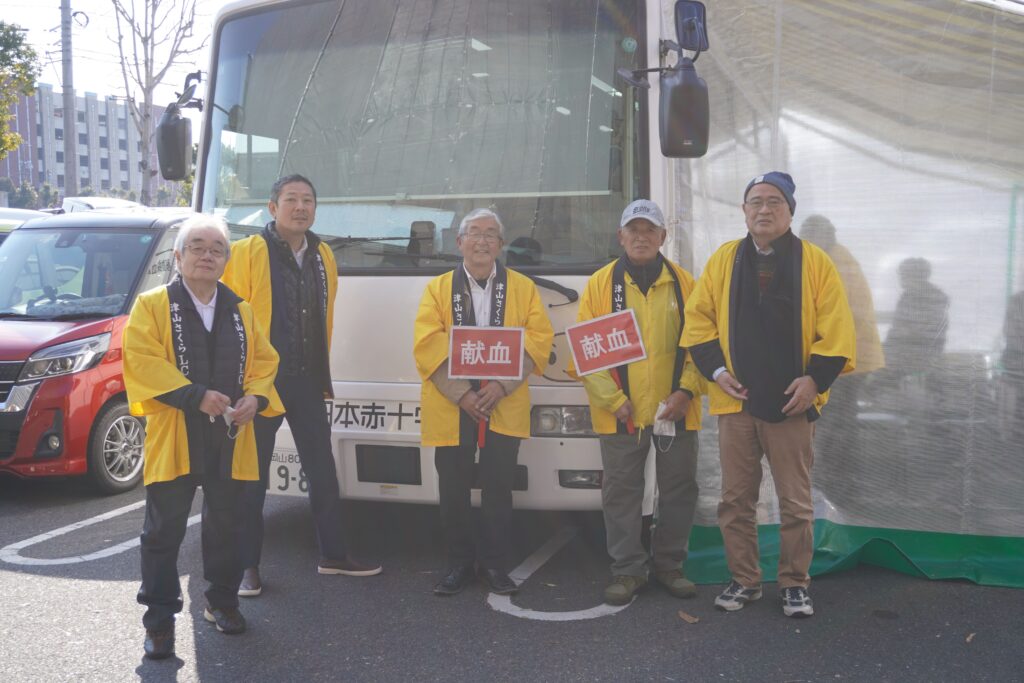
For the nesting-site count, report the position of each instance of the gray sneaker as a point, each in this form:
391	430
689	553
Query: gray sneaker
796	602
622	589
736	595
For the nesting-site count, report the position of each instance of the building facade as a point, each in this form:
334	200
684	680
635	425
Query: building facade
108	148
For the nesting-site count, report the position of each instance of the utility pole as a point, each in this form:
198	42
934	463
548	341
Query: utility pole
70	114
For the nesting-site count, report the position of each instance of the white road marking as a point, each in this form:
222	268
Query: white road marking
12	553
503	603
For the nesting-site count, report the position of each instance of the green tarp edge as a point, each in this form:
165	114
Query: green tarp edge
986	560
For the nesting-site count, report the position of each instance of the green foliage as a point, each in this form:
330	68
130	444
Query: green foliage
185	193
22	197
19	69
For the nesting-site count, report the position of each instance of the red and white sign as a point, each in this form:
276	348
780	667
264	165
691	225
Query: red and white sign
606	342
485	353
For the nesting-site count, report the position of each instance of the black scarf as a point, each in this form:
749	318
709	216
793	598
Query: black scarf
765	327
215	359
462	301
462	298
649	273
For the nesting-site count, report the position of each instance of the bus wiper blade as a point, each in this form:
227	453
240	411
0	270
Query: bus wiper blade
343	242
571	294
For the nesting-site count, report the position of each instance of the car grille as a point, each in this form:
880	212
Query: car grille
8	375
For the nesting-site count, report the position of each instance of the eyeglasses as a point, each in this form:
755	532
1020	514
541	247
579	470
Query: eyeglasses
772	203
215	252
488	237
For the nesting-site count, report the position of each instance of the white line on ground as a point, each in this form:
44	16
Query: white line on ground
12	553
503	603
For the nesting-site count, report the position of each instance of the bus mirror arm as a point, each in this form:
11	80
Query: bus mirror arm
174	132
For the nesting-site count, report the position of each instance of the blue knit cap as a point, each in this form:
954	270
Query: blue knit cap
782	181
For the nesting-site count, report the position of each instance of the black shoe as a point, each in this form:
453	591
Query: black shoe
456	579
499	582
251	585
228	619
159	644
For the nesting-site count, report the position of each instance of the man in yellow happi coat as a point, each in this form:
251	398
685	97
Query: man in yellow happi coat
199	368
479	292
660	387
289	276
769	325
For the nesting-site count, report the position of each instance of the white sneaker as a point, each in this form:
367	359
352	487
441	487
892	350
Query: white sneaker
796	602
736	595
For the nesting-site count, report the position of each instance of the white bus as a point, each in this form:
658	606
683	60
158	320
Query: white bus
406	116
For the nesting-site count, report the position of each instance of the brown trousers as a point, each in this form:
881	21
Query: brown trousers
743	439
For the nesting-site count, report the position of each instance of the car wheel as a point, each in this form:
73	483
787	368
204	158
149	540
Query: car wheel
115	449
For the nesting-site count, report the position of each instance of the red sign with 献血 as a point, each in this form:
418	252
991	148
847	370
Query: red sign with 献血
606	342
485	353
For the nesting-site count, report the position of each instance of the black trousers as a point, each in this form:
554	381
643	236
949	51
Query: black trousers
311	431
455	473
168	504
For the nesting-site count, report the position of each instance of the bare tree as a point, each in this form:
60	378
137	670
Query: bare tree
159	34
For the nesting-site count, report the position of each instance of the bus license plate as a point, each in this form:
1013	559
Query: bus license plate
287	478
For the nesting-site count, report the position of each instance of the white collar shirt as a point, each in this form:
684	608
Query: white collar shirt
301	252
206	311
481	297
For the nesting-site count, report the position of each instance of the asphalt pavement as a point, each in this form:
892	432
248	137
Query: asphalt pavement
68	610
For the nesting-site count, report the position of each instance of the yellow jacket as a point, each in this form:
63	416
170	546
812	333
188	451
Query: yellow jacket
826	321
150	371
439	417
247	274
650	380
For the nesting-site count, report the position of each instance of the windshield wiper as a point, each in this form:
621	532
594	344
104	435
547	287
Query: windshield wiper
571	294
343	242
82	315
19	316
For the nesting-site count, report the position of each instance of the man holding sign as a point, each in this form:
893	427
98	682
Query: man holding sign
641	385
480	331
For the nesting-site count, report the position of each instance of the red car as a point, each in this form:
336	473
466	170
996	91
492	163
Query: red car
67	283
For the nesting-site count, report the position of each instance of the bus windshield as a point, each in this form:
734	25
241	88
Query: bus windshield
406	116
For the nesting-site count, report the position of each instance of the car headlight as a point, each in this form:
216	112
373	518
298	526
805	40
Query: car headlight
561	421
64	359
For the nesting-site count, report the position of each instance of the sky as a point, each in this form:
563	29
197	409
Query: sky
96	63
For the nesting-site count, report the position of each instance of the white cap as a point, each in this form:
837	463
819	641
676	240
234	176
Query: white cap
643	208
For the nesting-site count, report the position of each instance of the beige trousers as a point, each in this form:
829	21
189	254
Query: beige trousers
743	439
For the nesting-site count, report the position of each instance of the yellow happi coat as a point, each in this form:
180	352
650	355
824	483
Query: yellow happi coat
650	380
439	417
247	274
826	321
150	371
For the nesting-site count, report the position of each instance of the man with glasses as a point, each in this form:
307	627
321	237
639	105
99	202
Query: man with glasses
480	292
199	368
661	387
290	278
769	325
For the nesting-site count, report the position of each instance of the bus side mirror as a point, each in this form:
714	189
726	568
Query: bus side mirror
684	113
174	133
174	144
684	116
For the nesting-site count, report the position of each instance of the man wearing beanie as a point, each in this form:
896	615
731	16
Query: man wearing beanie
660	387
769	324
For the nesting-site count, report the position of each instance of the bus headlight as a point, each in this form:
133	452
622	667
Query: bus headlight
561	421
64	359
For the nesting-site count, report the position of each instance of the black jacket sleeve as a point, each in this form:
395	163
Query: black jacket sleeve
186	398
824	370
708	357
